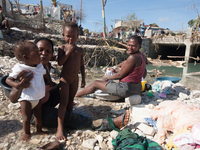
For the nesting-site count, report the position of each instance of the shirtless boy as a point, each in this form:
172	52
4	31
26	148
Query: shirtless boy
71	57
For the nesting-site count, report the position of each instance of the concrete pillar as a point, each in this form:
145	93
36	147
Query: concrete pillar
188	49
149	33
4	5
189	33
185	70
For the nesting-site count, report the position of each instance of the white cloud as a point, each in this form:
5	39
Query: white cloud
163	19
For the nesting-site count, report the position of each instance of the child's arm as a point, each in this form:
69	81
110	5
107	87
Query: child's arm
47	77
48	80
82	70
63	53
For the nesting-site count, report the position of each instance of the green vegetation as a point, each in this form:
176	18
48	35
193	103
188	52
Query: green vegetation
154	24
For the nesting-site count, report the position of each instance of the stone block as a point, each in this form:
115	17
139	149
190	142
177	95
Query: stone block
133	100
146	129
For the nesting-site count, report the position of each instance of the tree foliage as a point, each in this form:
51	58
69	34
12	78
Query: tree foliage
86	31
194	23
131	17
132	21
154	24
191	23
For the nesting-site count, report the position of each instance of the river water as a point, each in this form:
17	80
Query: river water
191	82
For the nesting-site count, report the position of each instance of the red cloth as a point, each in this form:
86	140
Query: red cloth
135	74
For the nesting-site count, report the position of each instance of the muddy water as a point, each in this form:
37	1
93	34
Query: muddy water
191	82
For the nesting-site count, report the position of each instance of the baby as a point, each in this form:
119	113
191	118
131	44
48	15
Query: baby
28	53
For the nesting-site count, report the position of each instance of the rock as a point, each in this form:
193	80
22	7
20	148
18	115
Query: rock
146	129
150	106
96	148
89	143
103	145
99	138
160	100
45	140
2	113
35	141
113	134
140	133
138	113
133	100
183	96
14	106
109	143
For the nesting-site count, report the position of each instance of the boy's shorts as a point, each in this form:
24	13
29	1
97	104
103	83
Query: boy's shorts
123	89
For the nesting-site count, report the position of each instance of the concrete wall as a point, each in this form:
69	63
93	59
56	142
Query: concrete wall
146	46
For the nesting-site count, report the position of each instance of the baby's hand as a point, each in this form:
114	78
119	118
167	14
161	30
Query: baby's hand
83	84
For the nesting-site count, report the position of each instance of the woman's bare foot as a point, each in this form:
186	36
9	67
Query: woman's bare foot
26	137
42	132
118	120
60	136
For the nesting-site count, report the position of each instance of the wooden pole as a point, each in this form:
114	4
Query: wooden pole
104	20
80	12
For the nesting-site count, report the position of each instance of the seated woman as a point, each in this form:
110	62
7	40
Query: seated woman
130	74
51	99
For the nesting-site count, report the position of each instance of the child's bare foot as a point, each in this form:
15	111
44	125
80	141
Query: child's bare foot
59	135
122	121
26	137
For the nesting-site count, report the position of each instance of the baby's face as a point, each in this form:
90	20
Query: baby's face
70	34
33	58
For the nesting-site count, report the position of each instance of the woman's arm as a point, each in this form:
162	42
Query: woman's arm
23	79
132	61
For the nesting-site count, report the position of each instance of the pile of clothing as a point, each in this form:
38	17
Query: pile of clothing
176	117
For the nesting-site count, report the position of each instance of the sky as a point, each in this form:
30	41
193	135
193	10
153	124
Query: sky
172	14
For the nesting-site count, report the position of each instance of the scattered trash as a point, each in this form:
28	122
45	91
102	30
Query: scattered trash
163	95
150	93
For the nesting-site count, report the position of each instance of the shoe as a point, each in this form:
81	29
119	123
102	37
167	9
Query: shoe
108	124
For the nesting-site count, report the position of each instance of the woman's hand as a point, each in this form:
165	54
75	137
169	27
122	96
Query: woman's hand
23	78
